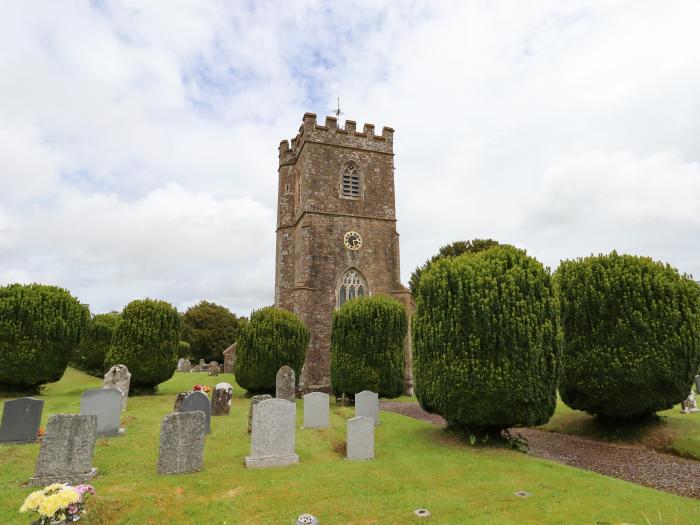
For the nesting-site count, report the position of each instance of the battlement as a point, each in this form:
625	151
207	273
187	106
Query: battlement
330	133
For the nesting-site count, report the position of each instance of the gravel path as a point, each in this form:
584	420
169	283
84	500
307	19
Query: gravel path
637	464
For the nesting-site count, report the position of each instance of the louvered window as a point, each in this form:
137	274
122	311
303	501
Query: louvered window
351	180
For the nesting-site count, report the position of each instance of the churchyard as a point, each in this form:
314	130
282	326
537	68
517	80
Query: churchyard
416	465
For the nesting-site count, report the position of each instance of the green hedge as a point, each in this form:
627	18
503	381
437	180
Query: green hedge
631	335
271	339
486	340
367	346
40	327
147	342
90	354
210	329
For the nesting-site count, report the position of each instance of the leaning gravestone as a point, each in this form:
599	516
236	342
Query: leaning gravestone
66	450
105	403
254	401
285	384
213	368
20	420
119	377
316	410
360	438
186	366
182	443
367	405
198	401
221	399
272	438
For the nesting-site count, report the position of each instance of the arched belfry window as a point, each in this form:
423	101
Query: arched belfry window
351	185
352	284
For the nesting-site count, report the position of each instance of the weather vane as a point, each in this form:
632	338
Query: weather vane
337	111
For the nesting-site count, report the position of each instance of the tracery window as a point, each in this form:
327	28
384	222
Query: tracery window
351	180
352	285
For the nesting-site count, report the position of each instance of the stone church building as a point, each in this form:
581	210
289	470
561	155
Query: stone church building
336	231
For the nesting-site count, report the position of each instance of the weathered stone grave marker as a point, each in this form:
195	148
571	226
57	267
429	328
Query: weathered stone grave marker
360	438
105	403
182	443
285	384
221	399
198	401
20	420
272	438
213	368
367	405
186	367
119	377
254	401
316	410
229	359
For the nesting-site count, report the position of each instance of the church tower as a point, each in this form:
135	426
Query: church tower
336	230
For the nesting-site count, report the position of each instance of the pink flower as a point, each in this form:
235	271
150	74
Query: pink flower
82	489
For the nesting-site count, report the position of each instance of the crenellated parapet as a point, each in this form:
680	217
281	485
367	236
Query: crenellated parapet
330	133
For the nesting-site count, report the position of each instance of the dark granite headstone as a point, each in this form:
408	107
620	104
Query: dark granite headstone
20	420
198	401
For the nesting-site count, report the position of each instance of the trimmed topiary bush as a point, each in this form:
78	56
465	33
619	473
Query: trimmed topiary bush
210	329
486	340
631	335
40	326
271	339
90	354
367	346
147	341
183	349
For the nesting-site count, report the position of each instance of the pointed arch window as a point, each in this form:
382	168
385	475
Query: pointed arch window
352	285
351	185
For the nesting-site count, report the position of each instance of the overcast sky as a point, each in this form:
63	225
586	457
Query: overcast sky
138	140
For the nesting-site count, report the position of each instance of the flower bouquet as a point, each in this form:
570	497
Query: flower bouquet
201	388
57	503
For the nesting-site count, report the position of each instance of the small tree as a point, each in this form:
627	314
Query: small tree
271	339
40	327
90	354
147	341
367	346
210	329
631	335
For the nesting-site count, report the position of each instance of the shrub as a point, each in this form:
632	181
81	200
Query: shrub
90	354
367	346
631	335
486	340
183	350
147	341
210	329
271	339
40	326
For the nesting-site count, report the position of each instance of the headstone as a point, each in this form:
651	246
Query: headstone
105	403
178	401
272	438
316	410
182	443
254	401
119	377
360	438
180	363
285	384
697	384
66	450
367	405
213	368
221	399
229	359
186	367
689	405
198	401
202	363
20	420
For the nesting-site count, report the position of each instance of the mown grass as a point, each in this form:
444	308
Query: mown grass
671	432
417	465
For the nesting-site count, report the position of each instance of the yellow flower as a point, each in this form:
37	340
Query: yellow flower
53	487
49	506
32	501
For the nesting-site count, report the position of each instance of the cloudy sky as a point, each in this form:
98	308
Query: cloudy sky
138	140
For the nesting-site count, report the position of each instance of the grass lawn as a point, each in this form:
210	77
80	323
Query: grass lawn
675	432
417	465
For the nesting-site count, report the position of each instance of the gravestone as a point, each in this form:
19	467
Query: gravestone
20	420
66	450
272	438
367	405
179	364
316	410
119	377
697	384
213	368
254	401
285	384
689	405
202	363
360	438
182	443
229	359
105	403
178	401
186	367
198	401
221	399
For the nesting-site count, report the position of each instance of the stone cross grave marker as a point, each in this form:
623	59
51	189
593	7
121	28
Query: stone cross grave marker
272	439
316	410
360	438
285	384
367	405
182	443
66	450
20	420
119	377
221	399
106	404
198	401
213	368
254	401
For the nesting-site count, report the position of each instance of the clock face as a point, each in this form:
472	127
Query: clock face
352	241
